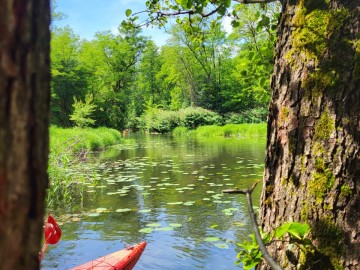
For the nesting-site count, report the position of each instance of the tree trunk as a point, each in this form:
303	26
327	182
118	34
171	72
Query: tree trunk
24	116
312	170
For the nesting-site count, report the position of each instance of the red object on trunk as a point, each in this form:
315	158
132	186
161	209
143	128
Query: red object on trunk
124	259
52	234
52	231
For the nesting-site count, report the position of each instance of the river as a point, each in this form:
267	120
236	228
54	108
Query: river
166	191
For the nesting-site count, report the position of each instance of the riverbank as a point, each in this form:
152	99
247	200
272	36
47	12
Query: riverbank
230	130
68	146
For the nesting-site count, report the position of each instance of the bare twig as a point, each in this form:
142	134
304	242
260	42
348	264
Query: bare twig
274	265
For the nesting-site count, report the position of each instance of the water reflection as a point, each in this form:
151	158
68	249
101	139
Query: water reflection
171	187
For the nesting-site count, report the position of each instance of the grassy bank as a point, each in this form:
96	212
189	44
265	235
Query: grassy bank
68	146
231	130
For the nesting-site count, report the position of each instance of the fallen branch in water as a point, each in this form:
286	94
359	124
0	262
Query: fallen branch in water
274	265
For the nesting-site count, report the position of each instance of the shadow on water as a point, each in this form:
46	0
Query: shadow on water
166	191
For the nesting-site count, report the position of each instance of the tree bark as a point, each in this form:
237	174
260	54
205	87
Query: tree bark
24	117
312	169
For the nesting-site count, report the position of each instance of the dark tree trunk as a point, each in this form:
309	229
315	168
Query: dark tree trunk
24	115
313	152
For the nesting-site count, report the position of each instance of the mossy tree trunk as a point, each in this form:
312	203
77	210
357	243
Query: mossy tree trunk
24	113
313	152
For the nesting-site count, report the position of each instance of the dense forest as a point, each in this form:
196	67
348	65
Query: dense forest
117	80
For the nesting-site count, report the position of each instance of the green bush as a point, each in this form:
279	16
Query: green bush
161	121
157	120
192	117
258	115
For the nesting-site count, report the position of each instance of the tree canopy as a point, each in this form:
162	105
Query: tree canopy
202	65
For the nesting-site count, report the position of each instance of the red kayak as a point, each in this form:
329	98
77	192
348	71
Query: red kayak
124	259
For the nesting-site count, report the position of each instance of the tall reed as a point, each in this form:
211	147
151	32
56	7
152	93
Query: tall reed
69	146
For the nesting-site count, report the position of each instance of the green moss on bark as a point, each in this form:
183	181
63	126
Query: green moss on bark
318	31
324	127
321	182
345	191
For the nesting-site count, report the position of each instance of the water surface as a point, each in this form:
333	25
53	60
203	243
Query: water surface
165	191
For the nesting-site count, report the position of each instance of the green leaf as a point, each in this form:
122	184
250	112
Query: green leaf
262	82
211	239
295	229
299	230
128	12
175	225
235	24
146	230
153	225
222	245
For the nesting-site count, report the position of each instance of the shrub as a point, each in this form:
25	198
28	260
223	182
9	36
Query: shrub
257	115
192	117
83	111
157	120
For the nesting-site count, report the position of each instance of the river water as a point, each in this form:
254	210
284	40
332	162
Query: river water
166	191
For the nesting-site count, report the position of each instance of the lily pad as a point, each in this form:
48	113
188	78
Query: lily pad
123	210
189	203
145	211
239	224
146	230
175	225
174	203
153	225
211	239
222	245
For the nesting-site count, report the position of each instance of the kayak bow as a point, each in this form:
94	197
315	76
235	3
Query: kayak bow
124	259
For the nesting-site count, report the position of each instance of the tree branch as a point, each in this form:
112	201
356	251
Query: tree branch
274	265
256	1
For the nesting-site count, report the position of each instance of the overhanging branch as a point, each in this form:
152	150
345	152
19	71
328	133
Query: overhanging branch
256	1
274	265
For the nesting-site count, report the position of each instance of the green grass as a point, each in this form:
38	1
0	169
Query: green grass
230	130
66	145
73	140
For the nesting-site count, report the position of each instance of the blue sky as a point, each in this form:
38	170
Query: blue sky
86	17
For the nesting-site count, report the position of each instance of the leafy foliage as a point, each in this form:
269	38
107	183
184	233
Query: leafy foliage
82	112
201	66
297	232
251	255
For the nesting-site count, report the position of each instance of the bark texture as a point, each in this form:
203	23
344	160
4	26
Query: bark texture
313	152
24	117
